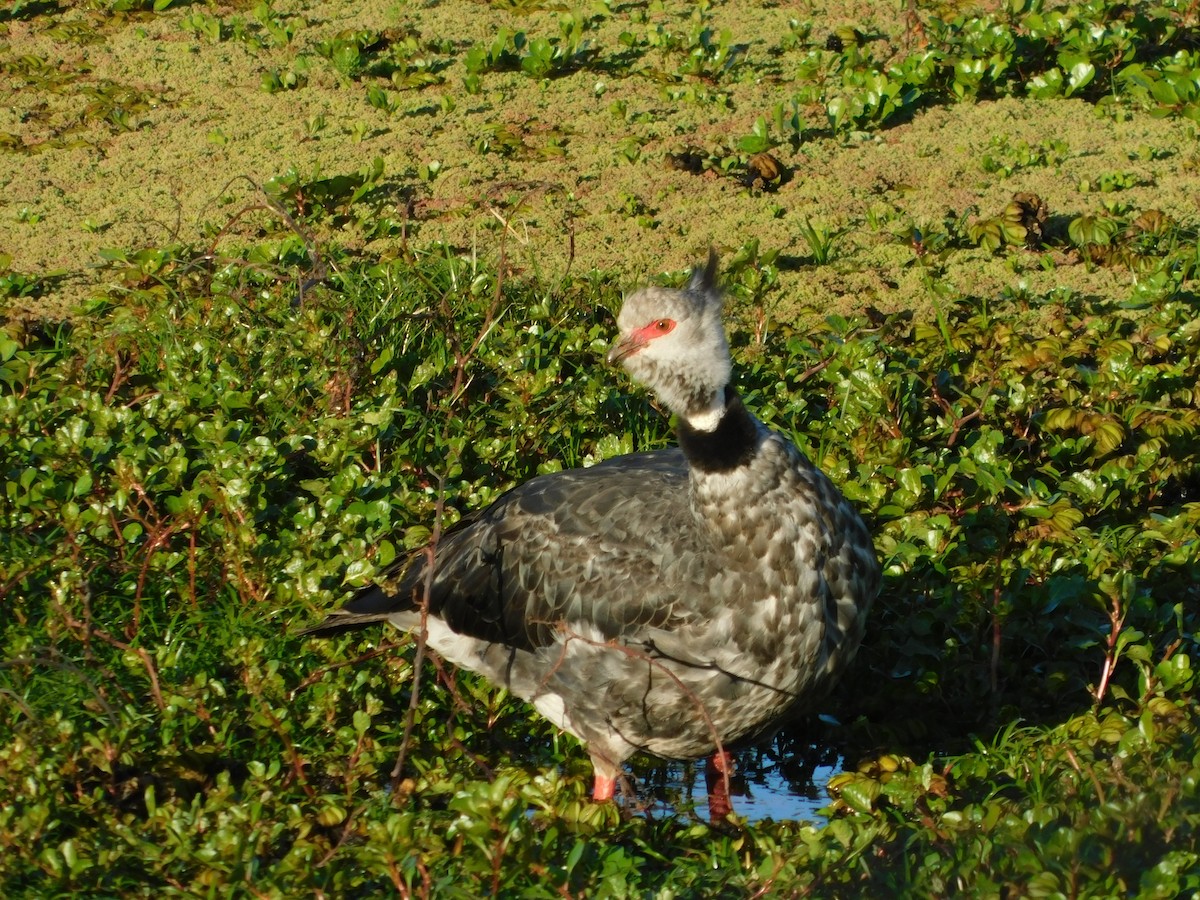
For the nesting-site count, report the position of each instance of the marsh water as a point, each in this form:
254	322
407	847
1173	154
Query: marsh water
786	780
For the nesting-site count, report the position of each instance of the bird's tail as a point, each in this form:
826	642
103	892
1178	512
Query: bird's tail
397	590
341	620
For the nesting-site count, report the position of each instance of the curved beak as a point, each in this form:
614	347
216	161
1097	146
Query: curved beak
626	347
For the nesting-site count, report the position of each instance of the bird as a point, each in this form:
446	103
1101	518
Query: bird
682	602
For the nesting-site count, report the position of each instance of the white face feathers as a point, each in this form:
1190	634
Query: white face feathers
673	341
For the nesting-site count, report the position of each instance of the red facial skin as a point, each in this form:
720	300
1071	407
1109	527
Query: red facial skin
640	338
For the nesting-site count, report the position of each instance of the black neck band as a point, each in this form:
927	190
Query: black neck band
731	444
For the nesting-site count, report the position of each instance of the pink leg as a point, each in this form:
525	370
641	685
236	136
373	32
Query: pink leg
604	789
716	779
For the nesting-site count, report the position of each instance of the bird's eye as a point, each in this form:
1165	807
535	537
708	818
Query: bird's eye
662	326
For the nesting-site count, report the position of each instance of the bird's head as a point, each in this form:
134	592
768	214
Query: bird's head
673	341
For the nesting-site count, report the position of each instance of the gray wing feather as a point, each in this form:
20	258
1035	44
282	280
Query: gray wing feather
581	550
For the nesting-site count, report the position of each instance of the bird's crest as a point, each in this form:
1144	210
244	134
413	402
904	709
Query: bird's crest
702	285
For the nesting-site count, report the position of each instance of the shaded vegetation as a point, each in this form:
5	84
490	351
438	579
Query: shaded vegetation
199	466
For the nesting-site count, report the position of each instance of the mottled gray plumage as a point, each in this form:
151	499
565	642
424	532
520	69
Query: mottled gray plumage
668	601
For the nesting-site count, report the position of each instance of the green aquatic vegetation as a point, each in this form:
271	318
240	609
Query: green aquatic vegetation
537	57
20	284
117	104
347	50
398	55
691	50
1006	160
1169	89
1092	50
245	420
291	78
1108	182
821	240
278	27
268	27
37	72
530	140
206	25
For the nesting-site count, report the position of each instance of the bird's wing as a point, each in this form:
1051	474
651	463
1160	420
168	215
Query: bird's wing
603	552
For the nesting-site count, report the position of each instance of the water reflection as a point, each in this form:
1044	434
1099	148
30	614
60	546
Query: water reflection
784	780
